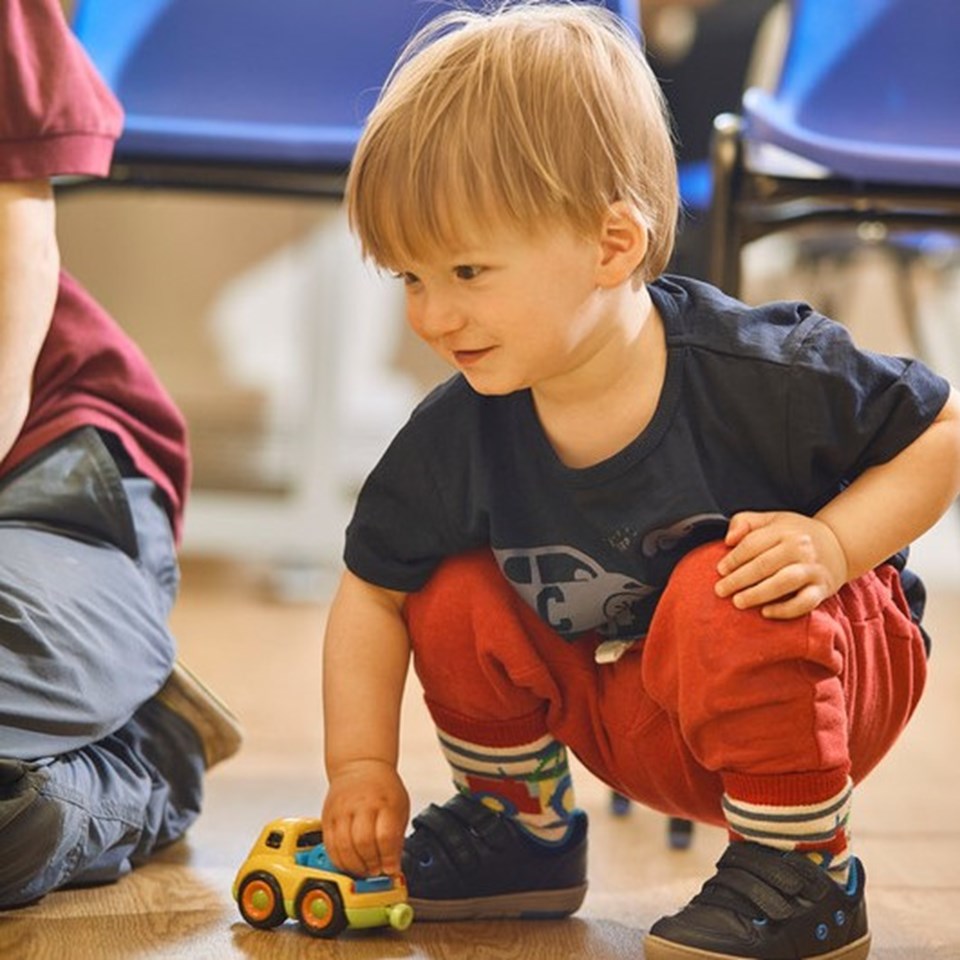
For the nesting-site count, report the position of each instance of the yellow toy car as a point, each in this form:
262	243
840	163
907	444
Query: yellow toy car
288	874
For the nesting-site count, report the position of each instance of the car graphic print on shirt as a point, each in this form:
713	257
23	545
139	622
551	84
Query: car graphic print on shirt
701	526
573	593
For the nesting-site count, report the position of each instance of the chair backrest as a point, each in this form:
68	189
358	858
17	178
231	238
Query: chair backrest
284	82
869	89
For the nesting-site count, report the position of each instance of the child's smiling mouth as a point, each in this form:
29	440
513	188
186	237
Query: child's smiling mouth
466	358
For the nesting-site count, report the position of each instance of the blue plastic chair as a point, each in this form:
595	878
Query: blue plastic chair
250	95
861	125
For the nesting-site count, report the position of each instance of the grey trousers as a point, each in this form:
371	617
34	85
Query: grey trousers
94	773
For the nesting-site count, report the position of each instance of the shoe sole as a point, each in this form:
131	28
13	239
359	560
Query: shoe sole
529	905
655	948
218	729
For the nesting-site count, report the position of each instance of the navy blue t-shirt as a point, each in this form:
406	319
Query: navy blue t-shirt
766	408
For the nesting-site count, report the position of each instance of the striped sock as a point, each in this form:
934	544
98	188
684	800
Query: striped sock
819	830
529	782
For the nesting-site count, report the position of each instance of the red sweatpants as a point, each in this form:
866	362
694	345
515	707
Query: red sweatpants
713	700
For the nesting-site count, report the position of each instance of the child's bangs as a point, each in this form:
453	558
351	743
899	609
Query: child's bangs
538	115
415	198
435	206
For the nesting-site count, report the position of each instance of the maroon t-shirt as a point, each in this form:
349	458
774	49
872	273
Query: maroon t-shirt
58	118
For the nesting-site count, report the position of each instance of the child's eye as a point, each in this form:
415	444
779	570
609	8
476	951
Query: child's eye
408	278
466	271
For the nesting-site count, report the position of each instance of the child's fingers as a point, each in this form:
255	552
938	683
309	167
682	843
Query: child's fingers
770	584
339	846
741	524
351	844
389	836
799	605
754	557
366	848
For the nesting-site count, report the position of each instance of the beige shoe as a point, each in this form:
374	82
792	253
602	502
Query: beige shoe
218	729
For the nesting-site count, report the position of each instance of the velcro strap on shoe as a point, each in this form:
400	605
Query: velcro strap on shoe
481	822
448	833
789	872
770	865
751	876
464	829
747	886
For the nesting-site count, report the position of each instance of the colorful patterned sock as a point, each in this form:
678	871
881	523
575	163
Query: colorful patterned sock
820	830
529	782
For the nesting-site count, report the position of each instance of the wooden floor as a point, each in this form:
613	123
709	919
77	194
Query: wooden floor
264	658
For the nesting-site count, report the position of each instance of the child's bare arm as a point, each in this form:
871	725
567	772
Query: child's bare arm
786	563
366	652
29	268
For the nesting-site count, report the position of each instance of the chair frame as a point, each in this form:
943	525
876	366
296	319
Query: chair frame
261	179
754	198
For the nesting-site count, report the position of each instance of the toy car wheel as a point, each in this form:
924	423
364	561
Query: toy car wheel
261	901
319	909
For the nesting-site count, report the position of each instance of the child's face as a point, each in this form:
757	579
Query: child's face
512	311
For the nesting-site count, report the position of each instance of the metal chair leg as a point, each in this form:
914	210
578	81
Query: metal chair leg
725	237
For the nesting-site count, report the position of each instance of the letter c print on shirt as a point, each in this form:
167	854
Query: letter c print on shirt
573	593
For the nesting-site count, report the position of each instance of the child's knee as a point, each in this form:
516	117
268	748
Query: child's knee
697	573
702	647
689	614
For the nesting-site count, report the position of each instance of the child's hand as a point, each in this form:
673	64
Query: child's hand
784	563
364	818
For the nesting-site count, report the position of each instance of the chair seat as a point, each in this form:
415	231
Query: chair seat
868	91
205	82
771	123
246	82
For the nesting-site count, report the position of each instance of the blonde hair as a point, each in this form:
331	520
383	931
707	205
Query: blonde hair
525	115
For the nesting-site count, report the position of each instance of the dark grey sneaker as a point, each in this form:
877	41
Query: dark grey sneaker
767	904
464	862
31	828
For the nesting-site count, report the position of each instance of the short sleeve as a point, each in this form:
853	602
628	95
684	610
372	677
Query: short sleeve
424	500
58	116
852	409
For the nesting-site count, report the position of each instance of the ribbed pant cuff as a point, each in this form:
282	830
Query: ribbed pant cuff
490	733
786	789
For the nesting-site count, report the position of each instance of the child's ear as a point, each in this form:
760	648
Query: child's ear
623	245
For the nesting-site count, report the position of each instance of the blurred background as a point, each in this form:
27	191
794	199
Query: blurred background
290	357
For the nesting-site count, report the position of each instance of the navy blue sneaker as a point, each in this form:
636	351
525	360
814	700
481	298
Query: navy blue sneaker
767	904
463	861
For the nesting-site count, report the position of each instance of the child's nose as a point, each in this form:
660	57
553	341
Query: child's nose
435	316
